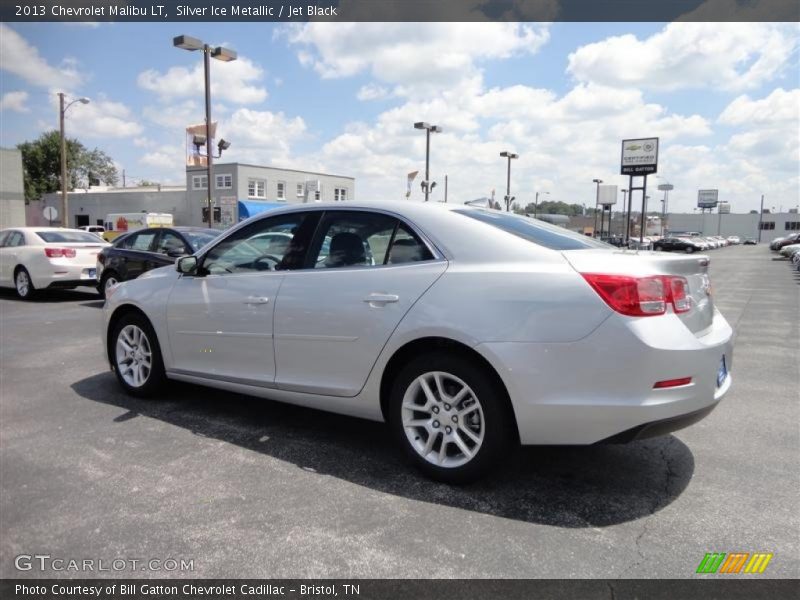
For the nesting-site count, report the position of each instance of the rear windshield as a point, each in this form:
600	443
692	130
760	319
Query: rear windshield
68	237
198	239
533	230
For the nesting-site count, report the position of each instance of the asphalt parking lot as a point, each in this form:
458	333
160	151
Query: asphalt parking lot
251	488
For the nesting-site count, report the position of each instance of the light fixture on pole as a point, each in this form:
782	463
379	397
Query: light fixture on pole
536	203
426	185
596	204
61	112
626	216
186	42
510	156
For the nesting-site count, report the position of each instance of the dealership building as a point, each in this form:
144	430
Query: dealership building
238	192
12	189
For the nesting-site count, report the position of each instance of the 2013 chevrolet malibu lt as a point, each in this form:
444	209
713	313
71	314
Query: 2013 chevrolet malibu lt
467	330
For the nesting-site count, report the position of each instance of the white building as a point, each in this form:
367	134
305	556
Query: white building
773	225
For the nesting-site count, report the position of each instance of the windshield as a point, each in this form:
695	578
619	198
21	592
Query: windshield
198	239
68	237
533	230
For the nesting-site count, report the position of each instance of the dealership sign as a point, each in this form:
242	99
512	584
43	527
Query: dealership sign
707	198
640	156
607	195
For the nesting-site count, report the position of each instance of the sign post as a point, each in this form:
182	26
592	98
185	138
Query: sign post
639	159
50	213
606	197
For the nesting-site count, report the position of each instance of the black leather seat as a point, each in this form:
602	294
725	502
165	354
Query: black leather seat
347	249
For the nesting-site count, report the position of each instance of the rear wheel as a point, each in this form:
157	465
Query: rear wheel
137	356
109	279
658	248
689	249
450	417
23	284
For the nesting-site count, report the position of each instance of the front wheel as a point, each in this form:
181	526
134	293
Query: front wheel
108	280
137	356
23	284
450	417
689	249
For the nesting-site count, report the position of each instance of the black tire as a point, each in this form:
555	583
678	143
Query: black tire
156	379
101	287
689	249
29	291
500	434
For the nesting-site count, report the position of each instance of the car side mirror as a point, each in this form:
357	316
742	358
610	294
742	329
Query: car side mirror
187	265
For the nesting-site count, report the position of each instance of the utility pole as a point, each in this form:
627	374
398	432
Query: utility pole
445	189
596	204
64	201
760	218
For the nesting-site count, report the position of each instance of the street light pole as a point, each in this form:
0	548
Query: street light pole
760	218
536	203
596	204
186	42
428	130
509	156
64	197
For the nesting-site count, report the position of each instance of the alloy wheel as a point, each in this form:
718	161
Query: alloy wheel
111	281
443	419
134	356
23	283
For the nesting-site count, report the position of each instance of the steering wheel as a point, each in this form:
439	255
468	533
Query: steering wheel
270	257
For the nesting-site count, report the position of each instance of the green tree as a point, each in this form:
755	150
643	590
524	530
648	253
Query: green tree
41	165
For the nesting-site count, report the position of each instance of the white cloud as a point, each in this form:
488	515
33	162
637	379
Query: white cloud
372	92
238	82
22	59
16	101
261	137
731	56
780	106
413	56
176	115
102	118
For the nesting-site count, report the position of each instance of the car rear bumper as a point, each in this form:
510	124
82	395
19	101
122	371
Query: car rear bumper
62	276
600	387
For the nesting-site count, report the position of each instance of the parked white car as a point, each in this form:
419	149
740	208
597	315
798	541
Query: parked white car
468	330
734	239
36	258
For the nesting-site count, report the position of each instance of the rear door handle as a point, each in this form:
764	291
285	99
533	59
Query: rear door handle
256	300
381	299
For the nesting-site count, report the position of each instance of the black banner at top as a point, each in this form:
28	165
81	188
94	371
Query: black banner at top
400	10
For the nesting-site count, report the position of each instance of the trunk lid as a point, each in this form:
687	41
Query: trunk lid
693	267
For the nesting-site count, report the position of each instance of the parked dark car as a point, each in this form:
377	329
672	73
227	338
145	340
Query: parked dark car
144	249
779	243
675	244
750	242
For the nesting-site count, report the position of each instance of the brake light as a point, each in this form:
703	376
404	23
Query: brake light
641	296
60	252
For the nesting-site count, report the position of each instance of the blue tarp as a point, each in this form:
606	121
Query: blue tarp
248	208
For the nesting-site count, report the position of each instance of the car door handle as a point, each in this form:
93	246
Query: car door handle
256	300
381	299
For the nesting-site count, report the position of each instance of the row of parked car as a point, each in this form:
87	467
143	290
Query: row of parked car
694	243
788	246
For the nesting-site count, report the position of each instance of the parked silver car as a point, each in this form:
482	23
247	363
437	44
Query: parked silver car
468	330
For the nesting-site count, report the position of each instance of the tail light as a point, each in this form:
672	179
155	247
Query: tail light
60	252
668	383
641	296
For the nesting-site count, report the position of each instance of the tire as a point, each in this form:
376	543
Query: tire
131	341
105	281
480	418
23	284
689	249
658	249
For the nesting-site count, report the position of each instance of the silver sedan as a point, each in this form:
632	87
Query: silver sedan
468	330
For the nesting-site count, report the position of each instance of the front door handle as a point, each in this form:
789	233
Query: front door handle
381	299
256	300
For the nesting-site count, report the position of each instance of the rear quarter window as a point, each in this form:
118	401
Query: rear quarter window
533	230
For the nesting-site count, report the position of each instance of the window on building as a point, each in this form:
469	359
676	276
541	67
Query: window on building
256	188
340	194
767	225
318	194
300	190
224	182
792	225
217	214
281	190
199	182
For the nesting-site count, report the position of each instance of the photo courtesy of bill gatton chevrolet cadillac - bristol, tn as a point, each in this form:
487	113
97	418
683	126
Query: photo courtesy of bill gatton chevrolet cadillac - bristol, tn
468	331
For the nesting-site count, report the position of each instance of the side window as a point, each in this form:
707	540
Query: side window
354	239
141	241
15	238
407	248
3	237
170	242
279	243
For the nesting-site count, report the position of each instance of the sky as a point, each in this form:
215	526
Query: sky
341	98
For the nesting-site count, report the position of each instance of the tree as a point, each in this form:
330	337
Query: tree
41	164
